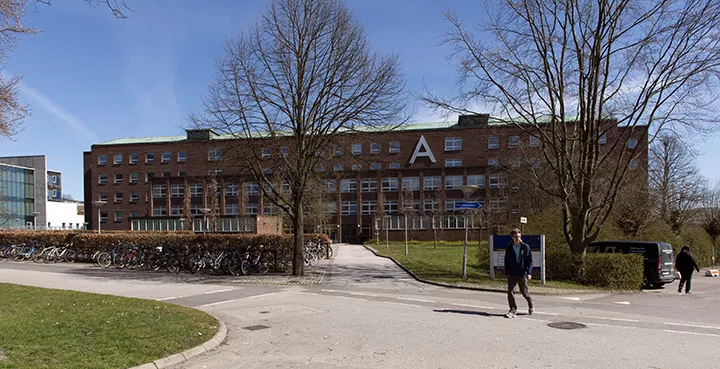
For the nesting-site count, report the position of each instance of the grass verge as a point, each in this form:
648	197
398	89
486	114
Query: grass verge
444	264
45	328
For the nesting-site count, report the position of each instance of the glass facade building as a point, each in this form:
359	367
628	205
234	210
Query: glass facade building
16	196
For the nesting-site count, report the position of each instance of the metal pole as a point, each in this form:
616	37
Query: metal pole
464	267
387	242
406	244
99	219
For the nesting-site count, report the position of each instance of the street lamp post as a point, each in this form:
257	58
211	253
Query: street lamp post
387	226
467	190
205	212
35	214
405	212
98	204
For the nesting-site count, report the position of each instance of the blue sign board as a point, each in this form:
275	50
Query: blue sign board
498	244
467	205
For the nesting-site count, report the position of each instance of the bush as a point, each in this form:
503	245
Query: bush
700	244
561	264
614	271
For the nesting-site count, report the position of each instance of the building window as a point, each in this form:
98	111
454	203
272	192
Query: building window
134	197
232	189
633	164
493	162
535	163
632	143
374	148
332	207
166	157
368	185
390	184
493	142
348	185
102	178
513	141
181	173
176	210
451	163
218	172
117	159
148	175
118	196
390	206
102	159
498	181
375	166
134	177
251	208
320	168
431	205
453	143
338	167
331	186
159	211
215	154
453	182
368	207
270	208
534	141
232	209
338	149
516	208
356	149
450	205
149	157
394	166
103	217
159	191
603	139
266	153
252	188
356	167
412	183
431	183
134	158
177	190
265	171
118	178
181	156
348	208
394	147
285	151
102	196
476	180
119	216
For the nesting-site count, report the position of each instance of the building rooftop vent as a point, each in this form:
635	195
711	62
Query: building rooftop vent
200	134
475	120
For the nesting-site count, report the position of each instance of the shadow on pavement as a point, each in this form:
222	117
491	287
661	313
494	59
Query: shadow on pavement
469	312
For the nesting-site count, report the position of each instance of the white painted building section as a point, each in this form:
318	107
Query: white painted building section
63	215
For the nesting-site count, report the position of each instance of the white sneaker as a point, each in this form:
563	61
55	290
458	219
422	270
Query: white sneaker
510	314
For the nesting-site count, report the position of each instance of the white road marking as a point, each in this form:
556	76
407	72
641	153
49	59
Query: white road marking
400	303
693	325
218	291
572	298
418	300
538	320
472	306
332	291
267	294
622	302
542	313
349	298
363	294
618	319
217	303
699	334
172	298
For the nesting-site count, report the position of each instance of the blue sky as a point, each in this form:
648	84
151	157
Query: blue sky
91	78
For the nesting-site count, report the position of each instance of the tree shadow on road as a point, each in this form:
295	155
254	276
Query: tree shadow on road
469	312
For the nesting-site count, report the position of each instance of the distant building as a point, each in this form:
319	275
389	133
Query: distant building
372	180
42	194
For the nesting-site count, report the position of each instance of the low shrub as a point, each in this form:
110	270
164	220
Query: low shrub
614	271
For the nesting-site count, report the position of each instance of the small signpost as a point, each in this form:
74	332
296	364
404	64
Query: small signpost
467	205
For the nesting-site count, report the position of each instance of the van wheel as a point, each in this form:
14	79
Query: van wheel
645	282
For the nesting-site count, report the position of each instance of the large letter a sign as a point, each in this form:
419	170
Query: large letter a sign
422	145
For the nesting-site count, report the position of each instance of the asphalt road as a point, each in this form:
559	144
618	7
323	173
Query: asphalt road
361	311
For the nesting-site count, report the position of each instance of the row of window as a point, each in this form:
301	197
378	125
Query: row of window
430	183
428	206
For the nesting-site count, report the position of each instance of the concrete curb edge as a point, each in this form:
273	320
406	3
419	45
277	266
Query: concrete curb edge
447	285
181	357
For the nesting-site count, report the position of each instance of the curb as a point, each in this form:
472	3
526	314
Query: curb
447	285
184	356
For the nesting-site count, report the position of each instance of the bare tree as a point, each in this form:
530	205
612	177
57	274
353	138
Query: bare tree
676	186
299	77
711	215
119	8
574	73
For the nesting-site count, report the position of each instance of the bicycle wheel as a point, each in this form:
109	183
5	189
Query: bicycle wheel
173	264
234	264
154	262
245	267
263	266
194	263
96	258
37	256
118	261
70	256
329	252
132	261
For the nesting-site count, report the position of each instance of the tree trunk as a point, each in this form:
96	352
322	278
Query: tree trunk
299	239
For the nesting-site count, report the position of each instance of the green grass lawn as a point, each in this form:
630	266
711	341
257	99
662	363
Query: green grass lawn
45	328
444	264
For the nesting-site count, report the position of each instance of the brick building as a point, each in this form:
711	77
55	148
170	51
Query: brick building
374	182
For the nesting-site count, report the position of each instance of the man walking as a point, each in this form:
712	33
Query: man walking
685	263
518	268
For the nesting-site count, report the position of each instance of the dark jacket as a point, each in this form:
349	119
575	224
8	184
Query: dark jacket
685	262
512	267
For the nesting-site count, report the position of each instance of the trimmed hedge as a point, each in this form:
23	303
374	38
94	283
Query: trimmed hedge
613	271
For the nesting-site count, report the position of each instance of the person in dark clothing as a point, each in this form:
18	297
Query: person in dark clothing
685	263
518	268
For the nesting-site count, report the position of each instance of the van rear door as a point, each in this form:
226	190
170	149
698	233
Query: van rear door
667	261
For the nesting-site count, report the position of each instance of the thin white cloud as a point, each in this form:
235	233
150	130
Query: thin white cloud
51	107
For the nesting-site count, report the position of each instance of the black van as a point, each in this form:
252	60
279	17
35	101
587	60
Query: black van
659	258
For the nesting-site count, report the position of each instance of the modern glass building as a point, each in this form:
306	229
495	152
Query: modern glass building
17	195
